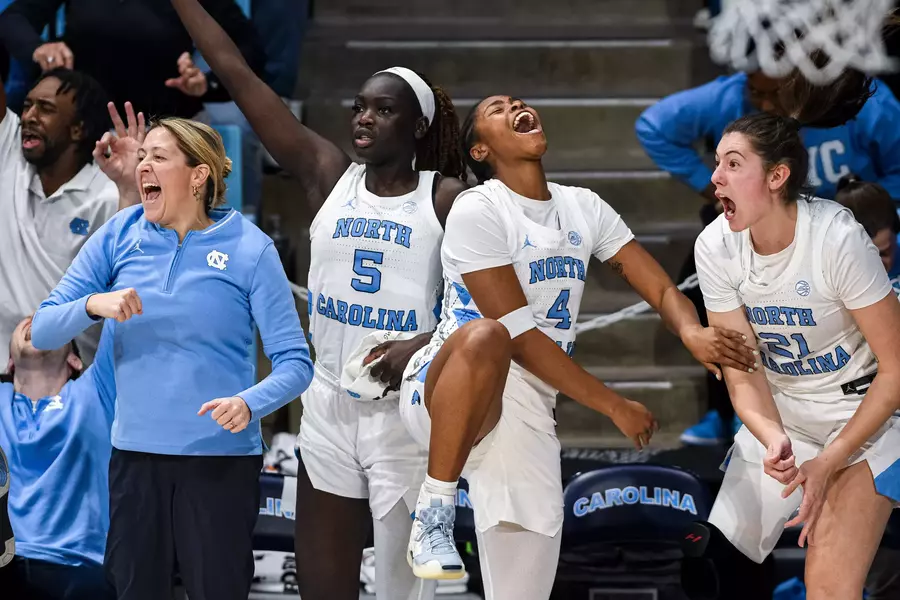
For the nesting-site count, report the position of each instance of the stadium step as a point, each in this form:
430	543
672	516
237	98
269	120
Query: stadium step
671	393
639	196
476	68
506	13
636	341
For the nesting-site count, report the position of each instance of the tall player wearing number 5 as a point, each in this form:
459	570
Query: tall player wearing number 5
375	266
516	251
805	280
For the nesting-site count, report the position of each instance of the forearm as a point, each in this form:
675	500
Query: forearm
291	374
881	401
19	36
541	357
754	404
676	157
55	325
677	312
215	45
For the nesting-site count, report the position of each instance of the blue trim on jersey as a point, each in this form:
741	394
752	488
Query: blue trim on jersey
424	372
464	315
888	482
464	296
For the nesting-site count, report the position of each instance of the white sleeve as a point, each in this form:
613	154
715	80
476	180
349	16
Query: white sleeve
10	144
853	268
719	294
475	237
612	232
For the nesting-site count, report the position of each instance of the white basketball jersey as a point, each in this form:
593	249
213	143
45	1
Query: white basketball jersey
551	265
375	265
809	342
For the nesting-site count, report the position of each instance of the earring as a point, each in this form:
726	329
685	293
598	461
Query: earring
196	191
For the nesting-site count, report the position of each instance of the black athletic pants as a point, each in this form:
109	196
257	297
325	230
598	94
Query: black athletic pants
193	515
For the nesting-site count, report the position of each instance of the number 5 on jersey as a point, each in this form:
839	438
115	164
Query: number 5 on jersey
370	277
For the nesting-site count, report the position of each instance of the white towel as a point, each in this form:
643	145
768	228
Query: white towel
356	378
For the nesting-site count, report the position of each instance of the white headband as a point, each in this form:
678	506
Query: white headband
422	90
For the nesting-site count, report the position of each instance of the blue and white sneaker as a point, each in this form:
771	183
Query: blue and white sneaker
710	431
432	550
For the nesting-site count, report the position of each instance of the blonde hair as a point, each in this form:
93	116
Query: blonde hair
201	145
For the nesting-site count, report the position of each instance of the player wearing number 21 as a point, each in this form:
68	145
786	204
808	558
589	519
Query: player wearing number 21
804	279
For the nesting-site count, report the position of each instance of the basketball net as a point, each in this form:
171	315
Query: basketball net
778	36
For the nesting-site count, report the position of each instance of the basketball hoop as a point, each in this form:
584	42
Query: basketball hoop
819	38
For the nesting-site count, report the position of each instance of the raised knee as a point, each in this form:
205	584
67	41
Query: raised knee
486	338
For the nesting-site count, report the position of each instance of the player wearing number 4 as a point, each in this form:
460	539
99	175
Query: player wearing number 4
804	279
482	393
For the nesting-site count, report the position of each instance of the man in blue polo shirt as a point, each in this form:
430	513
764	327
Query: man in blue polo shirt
55	429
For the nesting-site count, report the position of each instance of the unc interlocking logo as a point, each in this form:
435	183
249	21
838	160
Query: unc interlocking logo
55	404
574	238
79	226
802	288
217	260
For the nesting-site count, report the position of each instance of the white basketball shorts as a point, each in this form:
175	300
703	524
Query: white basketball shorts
358	449
749	509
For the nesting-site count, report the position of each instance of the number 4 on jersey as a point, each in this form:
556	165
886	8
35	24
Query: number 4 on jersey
560	311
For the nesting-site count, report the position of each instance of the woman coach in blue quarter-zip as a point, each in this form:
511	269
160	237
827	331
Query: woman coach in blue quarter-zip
185	282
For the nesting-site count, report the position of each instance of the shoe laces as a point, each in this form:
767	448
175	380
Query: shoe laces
437	537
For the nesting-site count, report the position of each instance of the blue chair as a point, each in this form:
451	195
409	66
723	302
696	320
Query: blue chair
622	531
274	529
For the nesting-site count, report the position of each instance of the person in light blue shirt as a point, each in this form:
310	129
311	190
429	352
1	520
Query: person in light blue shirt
185	283
54	426
868	145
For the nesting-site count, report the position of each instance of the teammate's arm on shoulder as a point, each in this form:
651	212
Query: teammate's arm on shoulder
447	191
303	153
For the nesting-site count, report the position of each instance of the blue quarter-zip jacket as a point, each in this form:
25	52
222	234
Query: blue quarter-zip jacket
201	298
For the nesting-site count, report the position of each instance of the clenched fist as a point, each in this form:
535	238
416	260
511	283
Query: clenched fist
232	414
120	305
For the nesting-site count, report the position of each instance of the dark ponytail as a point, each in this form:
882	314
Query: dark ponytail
440	149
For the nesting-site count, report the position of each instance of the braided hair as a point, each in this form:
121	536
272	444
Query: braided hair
439	150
